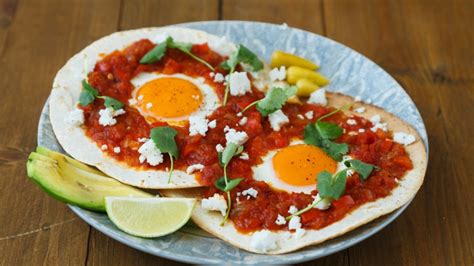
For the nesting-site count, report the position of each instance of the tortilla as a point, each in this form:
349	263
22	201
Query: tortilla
403	193
67	87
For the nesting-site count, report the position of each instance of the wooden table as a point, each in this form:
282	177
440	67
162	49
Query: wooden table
427	45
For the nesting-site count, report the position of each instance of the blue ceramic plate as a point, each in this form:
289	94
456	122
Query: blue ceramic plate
350	73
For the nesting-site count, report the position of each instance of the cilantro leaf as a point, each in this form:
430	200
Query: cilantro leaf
163	137
311	135
156	53
231	184
328	130
330	186
230	151
275	99
111	102
88	94
363	169
242	55
334	150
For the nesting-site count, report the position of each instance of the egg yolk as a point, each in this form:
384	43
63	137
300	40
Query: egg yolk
169	97
299	165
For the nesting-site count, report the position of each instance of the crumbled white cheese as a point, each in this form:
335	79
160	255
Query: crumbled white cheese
284	26
359	110
309	114
215	203
212	124
212	74
193	168
361	130
403	138
150	153
219	148
292	209
278	74
239	114
250	192
104	147
117	149
318	97
132	101
322	204
107	116
149	105
300	116
198	125
264	241
280	220
377	124
75	117
243	121
294	223
219	78
239	83
236	137
299	233
351	122
277	119
244	156
226	129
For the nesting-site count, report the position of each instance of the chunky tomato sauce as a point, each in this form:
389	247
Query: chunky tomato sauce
111	77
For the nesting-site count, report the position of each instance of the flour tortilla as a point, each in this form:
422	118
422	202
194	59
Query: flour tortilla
65	95
408	186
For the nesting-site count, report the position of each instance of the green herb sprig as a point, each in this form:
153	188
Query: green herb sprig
331	187
159	51
322	134
164	139
273	101
224	183
241	55
89	94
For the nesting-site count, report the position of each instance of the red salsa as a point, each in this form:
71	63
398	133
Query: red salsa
112	76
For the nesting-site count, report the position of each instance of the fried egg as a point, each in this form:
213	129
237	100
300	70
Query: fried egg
172	98
295	167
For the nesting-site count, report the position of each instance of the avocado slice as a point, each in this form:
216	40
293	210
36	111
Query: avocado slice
72	182
55	155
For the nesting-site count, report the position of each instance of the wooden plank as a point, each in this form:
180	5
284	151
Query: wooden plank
296	13
424	45
7	11
152	13
41	37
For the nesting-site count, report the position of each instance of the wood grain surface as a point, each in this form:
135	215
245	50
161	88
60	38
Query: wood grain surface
427	45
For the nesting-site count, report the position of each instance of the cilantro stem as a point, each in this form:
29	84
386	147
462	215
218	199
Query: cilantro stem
309	207
229	202
197	58
227	86
344	107
171	168
250	106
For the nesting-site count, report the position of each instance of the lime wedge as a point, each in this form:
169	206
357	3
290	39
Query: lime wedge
148	217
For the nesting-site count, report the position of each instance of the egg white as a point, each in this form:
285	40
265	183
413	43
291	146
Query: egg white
266	173
210	101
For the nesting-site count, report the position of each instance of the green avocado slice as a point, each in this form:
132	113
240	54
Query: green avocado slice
72	182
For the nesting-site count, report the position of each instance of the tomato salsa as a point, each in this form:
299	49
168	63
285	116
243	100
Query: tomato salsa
112	76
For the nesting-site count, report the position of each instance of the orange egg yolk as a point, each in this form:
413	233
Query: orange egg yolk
170	97
299	165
